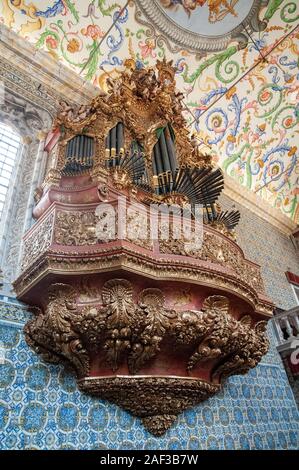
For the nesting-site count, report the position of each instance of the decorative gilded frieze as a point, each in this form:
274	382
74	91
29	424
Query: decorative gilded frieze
75	228
37	242
104	258
220	250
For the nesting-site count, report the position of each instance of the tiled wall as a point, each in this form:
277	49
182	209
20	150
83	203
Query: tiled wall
269	248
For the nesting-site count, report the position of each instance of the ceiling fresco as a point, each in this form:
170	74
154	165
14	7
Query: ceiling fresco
200	16
202	26
209	18
216	10
241	96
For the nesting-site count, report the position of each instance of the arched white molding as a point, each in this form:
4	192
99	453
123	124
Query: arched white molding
32	123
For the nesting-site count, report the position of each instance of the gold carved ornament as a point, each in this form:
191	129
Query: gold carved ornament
143	101
131	332
127	329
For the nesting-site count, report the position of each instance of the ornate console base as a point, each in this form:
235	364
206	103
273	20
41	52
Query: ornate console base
135	347
157	400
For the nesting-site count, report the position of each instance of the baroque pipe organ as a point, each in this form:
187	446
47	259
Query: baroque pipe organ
153	324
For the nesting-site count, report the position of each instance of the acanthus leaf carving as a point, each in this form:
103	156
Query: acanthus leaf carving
38	242
75	228
129	328
53	330
154	321
224	252
117	297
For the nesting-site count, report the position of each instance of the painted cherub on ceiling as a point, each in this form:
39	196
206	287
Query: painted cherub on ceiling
218	9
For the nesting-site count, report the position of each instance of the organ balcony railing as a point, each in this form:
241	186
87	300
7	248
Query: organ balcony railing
286	326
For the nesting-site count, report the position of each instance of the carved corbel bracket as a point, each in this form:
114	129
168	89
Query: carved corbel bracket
131	343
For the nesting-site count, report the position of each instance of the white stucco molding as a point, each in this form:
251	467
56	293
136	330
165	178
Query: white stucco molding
258	206
57	80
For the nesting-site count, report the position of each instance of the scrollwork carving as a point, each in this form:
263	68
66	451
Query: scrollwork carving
143	101
219	335
75	228
52	333
222	252
154	321
251	345
37	242
126	330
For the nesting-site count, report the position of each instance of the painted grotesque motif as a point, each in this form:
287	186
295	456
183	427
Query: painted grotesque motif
218	9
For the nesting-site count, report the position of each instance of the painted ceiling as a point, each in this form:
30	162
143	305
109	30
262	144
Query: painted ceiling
244	107
195	16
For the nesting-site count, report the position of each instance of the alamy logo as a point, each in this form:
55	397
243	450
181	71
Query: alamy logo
295	354
134	221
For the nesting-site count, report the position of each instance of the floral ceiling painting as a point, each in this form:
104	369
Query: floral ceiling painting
241	95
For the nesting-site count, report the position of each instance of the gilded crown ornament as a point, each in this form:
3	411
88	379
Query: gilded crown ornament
108	298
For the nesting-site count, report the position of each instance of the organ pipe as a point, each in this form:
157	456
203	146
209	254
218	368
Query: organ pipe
79	154
114	144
